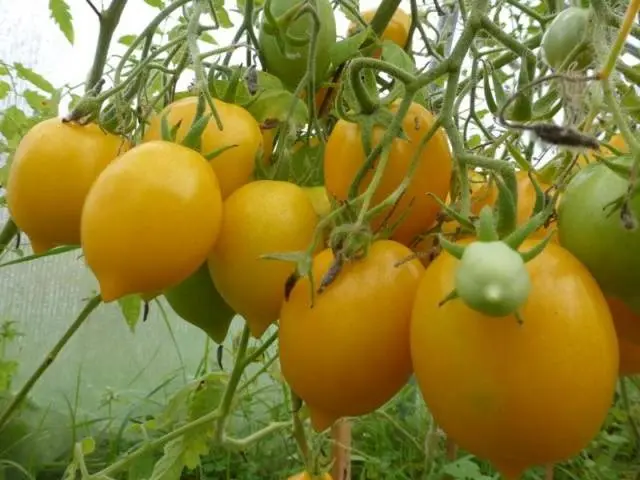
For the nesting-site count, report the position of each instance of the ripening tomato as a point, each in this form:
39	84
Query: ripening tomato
262	217
568	30
344	155
597	237
362	319
50	176
497	387
488	194
150	219
291	65
233	167
397	30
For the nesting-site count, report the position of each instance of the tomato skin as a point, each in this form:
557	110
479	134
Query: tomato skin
479	375
344	155
50	176
566	31
291	71
397	30
262	217
150	219
307	476
362	318
233	167
599	241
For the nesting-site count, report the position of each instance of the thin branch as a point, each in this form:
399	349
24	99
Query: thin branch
95	9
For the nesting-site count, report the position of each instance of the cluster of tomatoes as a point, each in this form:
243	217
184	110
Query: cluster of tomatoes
196	226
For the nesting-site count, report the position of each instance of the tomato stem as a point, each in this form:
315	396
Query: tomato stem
8	233
48	360
623	32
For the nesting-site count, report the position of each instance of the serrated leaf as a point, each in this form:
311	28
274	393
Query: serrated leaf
34	78
207	395
348	48
59	10
142	467
131	306
155	3
127	39
5	88
170	466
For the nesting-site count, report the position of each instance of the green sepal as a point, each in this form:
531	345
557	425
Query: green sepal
193	139
533	252
622	170
213	154
522	109
452	295
455	215
167	132
517	156
488	94
541	198
451	248
485	226
518	236
507	203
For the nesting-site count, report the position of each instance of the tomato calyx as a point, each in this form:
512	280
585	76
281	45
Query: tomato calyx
278	26
492	277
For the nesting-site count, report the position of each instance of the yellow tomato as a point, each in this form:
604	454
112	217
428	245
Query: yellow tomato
348	354
344	155
307	476
150	219
262	217
50	176
497	387
319	199
235	166
616	141
397	30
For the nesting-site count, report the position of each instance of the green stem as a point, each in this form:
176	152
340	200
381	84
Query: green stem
383	15
507	40
623	32
528	11
243	444
234	380
154	445
48	360
109	20
619	117
631	73
8	233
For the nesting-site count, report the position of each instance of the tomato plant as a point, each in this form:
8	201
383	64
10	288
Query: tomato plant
569	30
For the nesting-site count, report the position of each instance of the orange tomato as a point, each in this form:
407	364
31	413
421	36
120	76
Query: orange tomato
348	354
517	394
628	330
234	167
344	155
629	358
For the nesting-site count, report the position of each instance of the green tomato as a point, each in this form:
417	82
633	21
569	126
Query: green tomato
492	278
599	240
567	30
291	70
197	301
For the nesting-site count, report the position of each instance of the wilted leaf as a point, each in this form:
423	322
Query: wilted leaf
34	78
131	306
60	13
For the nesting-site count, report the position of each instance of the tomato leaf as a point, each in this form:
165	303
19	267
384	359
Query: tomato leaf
155	3
207	396
464	468
394	54
8	368
61	15
275	104
131	306
348	48
127	39
142	467
223	17
33	78
5	88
